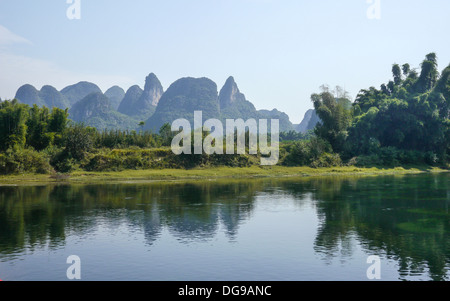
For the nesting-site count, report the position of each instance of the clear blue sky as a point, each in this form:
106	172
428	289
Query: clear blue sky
279	51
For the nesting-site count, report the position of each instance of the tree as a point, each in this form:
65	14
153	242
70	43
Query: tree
141	125
413	116
406	68
335	119
13	128
397	73
78	140
37	128
429	74
166	134
58	120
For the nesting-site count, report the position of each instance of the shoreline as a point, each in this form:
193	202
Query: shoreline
213	173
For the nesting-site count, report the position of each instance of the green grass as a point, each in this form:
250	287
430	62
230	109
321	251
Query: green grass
210	174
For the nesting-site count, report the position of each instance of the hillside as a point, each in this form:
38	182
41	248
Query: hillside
95	110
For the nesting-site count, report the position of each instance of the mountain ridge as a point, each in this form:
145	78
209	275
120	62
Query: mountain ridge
152	104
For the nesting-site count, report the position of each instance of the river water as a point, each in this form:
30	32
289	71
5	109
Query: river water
229	230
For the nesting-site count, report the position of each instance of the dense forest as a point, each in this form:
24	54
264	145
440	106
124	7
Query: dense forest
406	121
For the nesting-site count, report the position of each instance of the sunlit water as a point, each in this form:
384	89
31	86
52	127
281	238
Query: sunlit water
256	230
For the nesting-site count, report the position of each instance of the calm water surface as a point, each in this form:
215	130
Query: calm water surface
295	229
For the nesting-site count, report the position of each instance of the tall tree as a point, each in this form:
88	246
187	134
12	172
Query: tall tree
397	73
13	129
335	119
406	68
429	74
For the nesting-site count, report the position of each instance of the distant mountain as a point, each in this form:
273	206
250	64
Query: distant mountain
77	92
309	122
142	104
285	124
29	95
115	95
130	99
53	98
233	104
153	90
182	98
48	96
95	110
189	94
120	110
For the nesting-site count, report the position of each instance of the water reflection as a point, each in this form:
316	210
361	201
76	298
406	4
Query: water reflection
405	218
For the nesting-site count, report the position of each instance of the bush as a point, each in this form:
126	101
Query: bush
412	157
132	158
305	152
79	140
61	160
327	160
299	154
368	160
15	161
431	158
104	162
390	156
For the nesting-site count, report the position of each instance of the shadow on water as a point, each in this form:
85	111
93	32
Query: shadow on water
406	218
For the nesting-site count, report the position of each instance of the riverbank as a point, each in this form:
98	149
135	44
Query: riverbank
83	177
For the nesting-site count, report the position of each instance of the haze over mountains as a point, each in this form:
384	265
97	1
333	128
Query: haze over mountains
117	109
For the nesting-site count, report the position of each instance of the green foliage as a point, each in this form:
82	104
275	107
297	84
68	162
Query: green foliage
78	141
166	135
158	158
13	128
391	156
335	116
124	139
397	73
327	160
15	161
429	75
406	121
292	136
408	115
303	153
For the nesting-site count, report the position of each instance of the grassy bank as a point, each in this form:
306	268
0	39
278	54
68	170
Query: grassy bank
211	174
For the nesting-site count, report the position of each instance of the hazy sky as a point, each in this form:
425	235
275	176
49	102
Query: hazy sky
279	51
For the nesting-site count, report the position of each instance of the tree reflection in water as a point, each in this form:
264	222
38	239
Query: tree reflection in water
404	217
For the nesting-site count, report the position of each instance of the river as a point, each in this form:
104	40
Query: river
295	229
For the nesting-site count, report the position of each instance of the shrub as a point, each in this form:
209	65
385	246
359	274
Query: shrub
103	162
18	160
389	156
327	160
431	158
305	152
79	140
368	160
299	154
412	157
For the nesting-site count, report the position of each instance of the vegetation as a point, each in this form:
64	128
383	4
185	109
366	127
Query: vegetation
406	121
